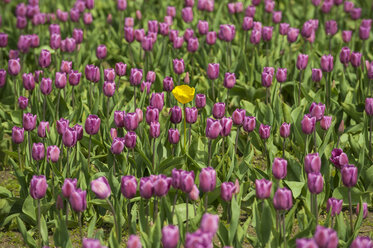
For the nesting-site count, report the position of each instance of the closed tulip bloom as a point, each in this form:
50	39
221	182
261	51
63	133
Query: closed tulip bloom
134	242
327	6
108	88
344	55
348	6
128	186
317	110
37	75
28	81
349	175
179	66
117	146
14	67
120	69
218	110
339	158
346	35
276	17
152	114
187	14
69	137
307	29
173	34
191	115
267	33
161	185
264	131
92	124
170	236
316	75
292	35
38	151
269	6
119	118
164	28
263	188
60	80
312	163
238	117
130	121
38	187
302	61
250	11
355	59
178	42
207	179
2	77
200	101
227	190
130	140
157	101
176	178
285	130
29	121
79	131
203	27
22	102
229	80
173	136
18	134
91	243
247	23
315	182
147	43
168	84
304	242
121	5
101	187
209	223
211	38
129	34
189	33
55	41
366	23
231	8
66	66
70	45
35	41
279	168
78	35
369	106
364	32
226	124
74	77
213	71
267	79
192	45
325	122
281	75
154	129
331	27
365	210
334	205
327	63
282	200
153	26
326	237
227	32
355	13
176	114
194	194
53	154
78	200
362	242
44	58
101	52
308	124
46	86
249	123
61	125
43	129
187	181
109	74
284	28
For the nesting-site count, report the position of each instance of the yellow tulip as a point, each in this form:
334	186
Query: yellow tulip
183	93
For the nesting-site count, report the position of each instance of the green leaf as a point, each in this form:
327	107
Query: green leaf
26	236
296	187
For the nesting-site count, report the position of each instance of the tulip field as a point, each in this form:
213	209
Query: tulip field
194	123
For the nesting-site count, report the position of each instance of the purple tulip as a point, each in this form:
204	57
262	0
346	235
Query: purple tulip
365	210
91	243
316	75
101	52
14	67
331	27
43	129
44	58
18	135
226	124
130	121
29	121
187	181
349	175
28	81
130	140
176	114
339	158
78	200
168	84
38	187
302	61
69	137
117	146
227	32
284	28
134	242
203	27
285	130
227	190
267	33
218	110
213	71
238	117
68	187
152	114
211	38
279	168
281	75
60	80
305	242
364	32
325	122
327	63
292	35
334	205
120	69
173	136
308	124
355	59
255	36
369	106
2	77
362	242
161	185
207	179
109	74
22	102
74	78
154	129
101	187
276	17
249	123
209	223
326	237
282	200
355	13
53	154
344	55
176	178
128	186
191	115
317	110
170	236
229	80
200	101
312	163
315	182
346	35
108	88
263	188
187	14
179	66
136	76
38	151
213	128
92	124
264	131
157	101
267	78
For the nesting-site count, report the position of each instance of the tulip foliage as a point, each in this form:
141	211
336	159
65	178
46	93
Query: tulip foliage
187	123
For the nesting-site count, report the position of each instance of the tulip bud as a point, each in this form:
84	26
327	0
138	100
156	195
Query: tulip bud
170	236
284	28
263	188
109	74
285	130
168	84
173	136
176	114
38	151
279	168
128	186
192	45
78	200
325	122
226	124
129	34
282	200
121	5
312	163
187	14
200	101
315	182
187	181
331	27
136	76
78	35
157	101
101	187
22	102
229	80
339	158
207	179
14	67
194	194
209	223
335	205
53	154
213	128
117	146
154	130
349	175
238	116
130	140
213	71
362	242
369	106
250	11
43	129
227	190
60	81
267	33
69	137
108	88
211	38
2	77
264	131
130	121
355	59
355	13
161	185
92	124
44	58
249	123
302	61
327	63
292	36
344	56
18	135
134	242
38	187
91	243
316	75
326	237
281	75
120	69
267	79
29	121
28	81
276	17
101	52
346	36
152	114
304	242
317	110
227	32
308	124
365	210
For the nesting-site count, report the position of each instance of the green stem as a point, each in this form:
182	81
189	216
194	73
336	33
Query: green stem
284	229
174	204
187	213
213	89
209	152
39	226
44	106
29	146
206	201
67	163
80	227
237	135
89	152
316	210
350	206
134	98
19	157
58	103
115	219
299	89
154	154
283	148
185	129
